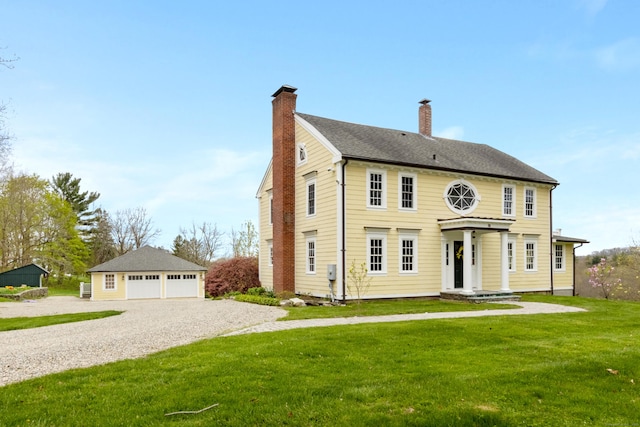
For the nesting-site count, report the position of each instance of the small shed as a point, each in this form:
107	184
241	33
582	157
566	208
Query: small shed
30	275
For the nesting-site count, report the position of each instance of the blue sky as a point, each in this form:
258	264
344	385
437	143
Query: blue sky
167	104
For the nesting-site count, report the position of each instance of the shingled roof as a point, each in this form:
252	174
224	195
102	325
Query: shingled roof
146	258
392	146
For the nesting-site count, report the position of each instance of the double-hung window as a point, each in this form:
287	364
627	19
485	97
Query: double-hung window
311	255
311	197
530	255
508	200
530	202
408	253
407	191
377	253
559	258
376	191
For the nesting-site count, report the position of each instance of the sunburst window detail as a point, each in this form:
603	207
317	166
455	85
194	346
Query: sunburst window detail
461	197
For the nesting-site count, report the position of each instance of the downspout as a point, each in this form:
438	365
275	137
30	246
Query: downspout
344	232
551	235
574	268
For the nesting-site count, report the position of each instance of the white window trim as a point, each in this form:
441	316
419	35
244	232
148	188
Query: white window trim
534	213
563	257
383	237
301	148
383	202
535	255
513	200
452	207
311	182
414	200
315	255
104	282
514	251
414	238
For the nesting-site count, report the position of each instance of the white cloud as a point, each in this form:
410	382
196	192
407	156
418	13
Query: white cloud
622	55
452	132
592	7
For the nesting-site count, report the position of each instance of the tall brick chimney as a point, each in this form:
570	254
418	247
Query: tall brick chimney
284	201
424	118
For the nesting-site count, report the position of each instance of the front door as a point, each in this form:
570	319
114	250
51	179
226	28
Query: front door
458	252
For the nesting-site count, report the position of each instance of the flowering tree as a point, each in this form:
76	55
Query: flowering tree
601	276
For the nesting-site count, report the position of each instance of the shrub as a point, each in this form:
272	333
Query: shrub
233	275
257	299
259	291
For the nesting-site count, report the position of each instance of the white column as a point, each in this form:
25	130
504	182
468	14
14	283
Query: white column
504	261
467	277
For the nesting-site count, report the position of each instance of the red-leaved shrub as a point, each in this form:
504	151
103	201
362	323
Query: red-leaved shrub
236	274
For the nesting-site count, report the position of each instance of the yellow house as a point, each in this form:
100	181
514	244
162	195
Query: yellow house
419	214
144	273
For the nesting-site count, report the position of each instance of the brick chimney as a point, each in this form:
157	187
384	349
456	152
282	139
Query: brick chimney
284	202
424	118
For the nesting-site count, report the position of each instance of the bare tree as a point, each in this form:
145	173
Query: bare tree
199	244
245	242
5	136
132	229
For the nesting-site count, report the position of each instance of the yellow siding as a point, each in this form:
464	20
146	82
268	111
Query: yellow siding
98	291
431	206
323	225
265	230
563	279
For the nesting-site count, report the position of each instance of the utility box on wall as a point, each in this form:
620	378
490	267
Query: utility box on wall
331	272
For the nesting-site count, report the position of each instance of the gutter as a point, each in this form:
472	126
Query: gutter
343	249
551	249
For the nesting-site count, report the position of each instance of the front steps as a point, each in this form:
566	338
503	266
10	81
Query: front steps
479	296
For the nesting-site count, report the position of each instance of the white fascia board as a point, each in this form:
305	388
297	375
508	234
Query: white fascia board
337	155
264	179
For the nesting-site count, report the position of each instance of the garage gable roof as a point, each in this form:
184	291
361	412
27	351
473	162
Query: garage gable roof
146	258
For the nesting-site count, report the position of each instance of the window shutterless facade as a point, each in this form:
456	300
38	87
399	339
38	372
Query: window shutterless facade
376	189
559	263
408	254
530	202
508	200
530	255
376	253
311	197
311	255
407	191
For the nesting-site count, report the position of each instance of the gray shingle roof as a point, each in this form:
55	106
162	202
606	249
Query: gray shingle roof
371	143
146	258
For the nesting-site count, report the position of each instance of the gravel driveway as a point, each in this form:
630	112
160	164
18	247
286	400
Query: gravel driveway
145	327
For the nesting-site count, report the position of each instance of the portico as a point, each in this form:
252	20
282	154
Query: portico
463	245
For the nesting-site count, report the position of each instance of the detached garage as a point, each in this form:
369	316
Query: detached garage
147	273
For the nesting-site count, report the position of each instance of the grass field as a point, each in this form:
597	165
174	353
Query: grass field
531	370
15	323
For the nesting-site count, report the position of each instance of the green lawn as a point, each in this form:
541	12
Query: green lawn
382	307
15	323
530	370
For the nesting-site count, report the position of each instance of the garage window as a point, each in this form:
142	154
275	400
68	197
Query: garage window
135	277
109	281
152	277
173	276
189	276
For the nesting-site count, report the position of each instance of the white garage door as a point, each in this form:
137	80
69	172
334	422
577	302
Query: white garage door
143	286
182	285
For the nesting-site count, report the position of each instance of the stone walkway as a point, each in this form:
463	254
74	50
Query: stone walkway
526	308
